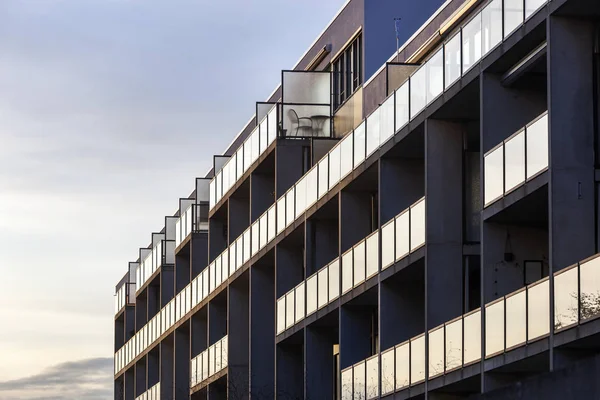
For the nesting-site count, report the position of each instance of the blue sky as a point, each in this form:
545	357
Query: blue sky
108	110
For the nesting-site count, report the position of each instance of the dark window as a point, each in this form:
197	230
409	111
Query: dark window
347	72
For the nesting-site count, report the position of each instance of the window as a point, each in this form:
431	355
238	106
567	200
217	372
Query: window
347	72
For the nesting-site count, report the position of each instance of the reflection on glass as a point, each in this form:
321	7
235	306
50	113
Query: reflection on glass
346	150
218	356
359	263
493	175
452	54
566	299
417	360
435	75
359	373
334	166
360	143
372	254
299	302
290	307
513	15
334	280
387	372
491	21
373	378
436	352
387	245
402	235
418	90
386	120
311	187
347	269
589	300
472	337
537	146
514	161
417	225
516	319
300	197
311	295
538	310
531	6
454	346
323	285
373	127
471	43
494	328
211	360
323	176
289	207
346	384
402	105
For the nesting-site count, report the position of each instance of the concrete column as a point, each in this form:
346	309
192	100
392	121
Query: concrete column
199	333
262	332
167	285
153	367
199	253
356	217
129	323
167	371
141	310
444	221
289	268
129	385
355	334
239	216
141	382
182	269
262	194
289	165
402	182
238	353
153	300
217	318
322	239
290	372
120	332
182	362
319	363
218	236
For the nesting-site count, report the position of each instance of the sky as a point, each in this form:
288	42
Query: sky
108	111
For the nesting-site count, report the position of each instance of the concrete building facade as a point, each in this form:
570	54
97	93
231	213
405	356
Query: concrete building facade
427	229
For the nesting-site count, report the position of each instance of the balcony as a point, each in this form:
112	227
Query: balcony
125	290
162	252
151	394
209	363
192	218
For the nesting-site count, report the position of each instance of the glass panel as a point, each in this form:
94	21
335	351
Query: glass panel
417	225
386	117
306	120
472	339
306	87
436	352
254	143
471	43
417	360
589	298
373	378
494	328
218	356
272	124
402	235
334	280
360	143
531	6
290	307
373	127
311	295
454	346
537	146
272	220
347	271
300	197
263	230
402	366
346	151
566	299
225	264
226	181
205	369
247	243
289	207
211	360
435	75
323	285
493	175
372	254
402	105
387	245
514	161
491	23
264	136
346	384
453	60
212	193
247	154
387	372
516	319
418	90
300	302
323	176
255	237
513	15
311	187
239	162
334	166
360	390
359	263
538	310
281	315
281	214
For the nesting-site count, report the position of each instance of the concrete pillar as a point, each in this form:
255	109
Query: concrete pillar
199	333
167	371
239	216
355	334
141	383
167	285
289	268
153	367
217	318
402	182
356	217
218	236
129	385
182	362
238	353
322	238
319	363
262	194
141	310
198	253
289	165
182	269
290	372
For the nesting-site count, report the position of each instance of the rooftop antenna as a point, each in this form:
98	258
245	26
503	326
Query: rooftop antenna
397	27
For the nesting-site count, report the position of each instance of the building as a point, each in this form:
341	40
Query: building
428	229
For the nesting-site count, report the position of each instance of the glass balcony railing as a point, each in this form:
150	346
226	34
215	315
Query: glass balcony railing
358	264
162	253
208	363
125	295
151	394
516	160
192	219
512	321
